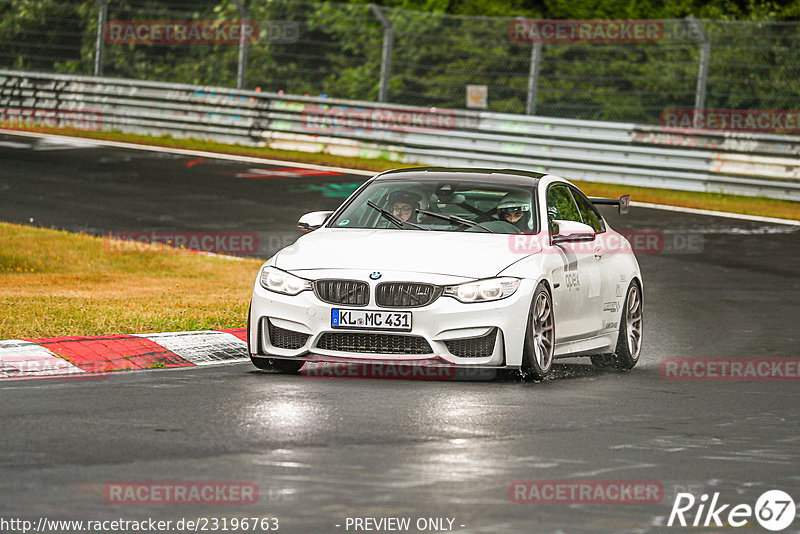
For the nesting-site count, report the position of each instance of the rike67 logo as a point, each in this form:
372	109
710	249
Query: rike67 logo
774	510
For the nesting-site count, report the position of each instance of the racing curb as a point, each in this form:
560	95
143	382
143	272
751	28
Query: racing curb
87	356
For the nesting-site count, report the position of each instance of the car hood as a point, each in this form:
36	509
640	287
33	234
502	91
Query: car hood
467	254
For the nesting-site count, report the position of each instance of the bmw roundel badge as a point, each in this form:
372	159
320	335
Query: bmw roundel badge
375	276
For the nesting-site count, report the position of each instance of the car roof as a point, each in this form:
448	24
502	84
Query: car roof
464	174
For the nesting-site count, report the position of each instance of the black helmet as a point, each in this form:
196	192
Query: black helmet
405	197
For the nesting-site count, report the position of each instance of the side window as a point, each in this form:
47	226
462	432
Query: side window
560	205
588	212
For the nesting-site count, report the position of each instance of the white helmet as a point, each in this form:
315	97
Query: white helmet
515	201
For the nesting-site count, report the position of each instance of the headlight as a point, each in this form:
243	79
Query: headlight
483	290
282	282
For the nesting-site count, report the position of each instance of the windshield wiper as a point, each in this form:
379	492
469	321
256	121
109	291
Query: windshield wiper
400	223
457	219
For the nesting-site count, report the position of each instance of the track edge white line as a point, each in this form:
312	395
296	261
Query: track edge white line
713	213
265	161
189	152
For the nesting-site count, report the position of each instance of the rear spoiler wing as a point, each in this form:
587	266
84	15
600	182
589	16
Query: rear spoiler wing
623	202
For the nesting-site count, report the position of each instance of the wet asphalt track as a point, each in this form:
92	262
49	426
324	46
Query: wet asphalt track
322	450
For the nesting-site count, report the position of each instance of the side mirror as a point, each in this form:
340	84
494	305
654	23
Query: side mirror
571	231
311	221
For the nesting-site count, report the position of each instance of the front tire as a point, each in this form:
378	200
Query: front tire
273	364
537	353
629	342
270	364
249	349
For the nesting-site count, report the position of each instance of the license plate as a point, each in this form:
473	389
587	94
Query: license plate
371	319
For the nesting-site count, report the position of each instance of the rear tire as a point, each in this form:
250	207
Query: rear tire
537	353
629	342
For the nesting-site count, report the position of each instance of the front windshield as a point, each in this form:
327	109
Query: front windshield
421	205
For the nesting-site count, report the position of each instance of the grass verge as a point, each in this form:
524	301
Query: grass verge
55	283
765	207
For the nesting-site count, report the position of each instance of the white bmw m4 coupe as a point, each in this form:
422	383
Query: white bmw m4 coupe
464	268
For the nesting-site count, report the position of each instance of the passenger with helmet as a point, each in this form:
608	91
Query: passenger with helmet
515	208
403	203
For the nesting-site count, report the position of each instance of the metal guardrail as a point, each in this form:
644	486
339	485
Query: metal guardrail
621	153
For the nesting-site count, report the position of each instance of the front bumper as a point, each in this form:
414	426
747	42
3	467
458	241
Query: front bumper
448	333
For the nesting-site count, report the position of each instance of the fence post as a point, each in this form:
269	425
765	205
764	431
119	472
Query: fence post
533	78
99	45
386	55
241	70
702	73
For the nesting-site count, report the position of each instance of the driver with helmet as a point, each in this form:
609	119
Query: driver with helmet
515	208
403	203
